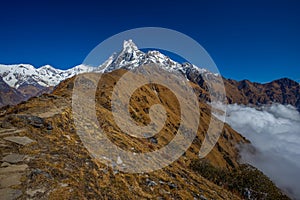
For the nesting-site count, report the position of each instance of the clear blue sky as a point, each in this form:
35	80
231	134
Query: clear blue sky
255	40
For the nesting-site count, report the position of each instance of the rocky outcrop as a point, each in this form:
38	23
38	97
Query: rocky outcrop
9	95
283	91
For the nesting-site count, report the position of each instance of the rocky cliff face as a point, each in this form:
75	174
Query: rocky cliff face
9	95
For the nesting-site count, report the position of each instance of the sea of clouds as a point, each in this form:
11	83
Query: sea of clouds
274	131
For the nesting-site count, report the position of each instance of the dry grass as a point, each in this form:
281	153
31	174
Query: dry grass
61	164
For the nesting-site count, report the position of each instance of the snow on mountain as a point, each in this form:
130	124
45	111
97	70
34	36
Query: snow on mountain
131	57
17	75
128	58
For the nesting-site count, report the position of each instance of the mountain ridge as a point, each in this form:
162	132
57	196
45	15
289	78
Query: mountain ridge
283	91
31	81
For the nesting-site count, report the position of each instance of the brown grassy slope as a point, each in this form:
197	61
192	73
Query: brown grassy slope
62	166
142	100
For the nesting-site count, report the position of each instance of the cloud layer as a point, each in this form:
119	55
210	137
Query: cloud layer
275	133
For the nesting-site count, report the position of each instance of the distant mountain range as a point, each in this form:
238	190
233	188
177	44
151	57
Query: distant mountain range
22	81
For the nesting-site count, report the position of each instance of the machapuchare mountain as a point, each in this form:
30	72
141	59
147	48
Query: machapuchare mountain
27	81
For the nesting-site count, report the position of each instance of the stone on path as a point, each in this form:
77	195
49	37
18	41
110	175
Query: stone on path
11	180
9	194
19	140
32	192
13	169
5	164
13	158
6	132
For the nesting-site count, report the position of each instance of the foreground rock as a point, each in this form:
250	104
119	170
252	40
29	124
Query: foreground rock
13	169
19	140
11	176
13	158
9	194
10	180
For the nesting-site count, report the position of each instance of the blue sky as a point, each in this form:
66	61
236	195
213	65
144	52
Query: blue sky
255	40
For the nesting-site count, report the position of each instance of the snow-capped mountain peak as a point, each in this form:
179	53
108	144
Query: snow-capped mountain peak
129	45
129	57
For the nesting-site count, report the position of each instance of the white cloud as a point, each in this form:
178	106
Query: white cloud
275	133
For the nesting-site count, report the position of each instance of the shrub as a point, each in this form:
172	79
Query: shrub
246	180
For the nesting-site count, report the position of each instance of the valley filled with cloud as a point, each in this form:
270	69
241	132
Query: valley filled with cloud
274	132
